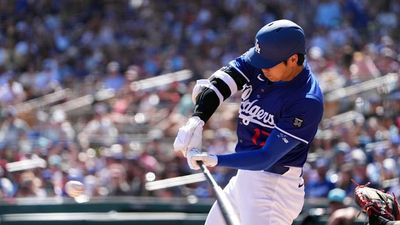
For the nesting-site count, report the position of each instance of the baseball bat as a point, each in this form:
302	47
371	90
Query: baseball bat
223	202
174	181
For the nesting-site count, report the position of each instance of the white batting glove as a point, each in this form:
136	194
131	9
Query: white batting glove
190	135
194	155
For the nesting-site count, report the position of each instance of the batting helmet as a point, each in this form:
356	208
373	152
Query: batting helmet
276	42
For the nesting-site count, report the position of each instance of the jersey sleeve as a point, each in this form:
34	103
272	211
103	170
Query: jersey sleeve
242	65
276	146
300	120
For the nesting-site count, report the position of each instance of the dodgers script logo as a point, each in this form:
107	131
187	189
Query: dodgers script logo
250	112
257	47
247	89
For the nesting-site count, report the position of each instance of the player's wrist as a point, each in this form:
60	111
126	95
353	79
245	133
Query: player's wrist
213	160
216	160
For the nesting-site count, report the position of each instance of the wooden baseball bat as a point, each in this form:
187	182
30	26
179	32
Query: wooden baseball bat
223	202
174	181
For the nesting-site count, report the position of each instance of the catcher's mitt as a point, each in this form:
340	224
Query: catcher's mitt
376	202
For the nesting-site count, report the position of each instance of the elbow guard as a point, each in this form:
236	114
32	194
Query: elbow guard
201	85
224	83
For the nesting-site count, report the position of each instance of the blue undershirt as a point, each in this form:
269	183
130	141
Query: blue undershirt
275	148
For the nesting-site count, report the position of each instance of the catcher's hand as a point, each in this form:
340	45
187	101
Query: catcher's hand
377	203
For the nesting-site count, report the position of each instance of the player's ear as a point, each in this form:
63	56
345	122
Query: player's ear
293	60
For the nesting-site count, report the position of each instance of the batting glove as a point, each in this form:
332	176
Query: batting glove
194	155
189	136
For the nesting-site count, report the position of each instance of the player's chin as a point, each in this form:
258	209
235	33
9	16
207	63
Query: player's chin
269	77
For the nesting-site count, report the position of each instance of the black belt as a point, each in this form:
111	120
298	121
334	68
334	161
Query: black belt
278	169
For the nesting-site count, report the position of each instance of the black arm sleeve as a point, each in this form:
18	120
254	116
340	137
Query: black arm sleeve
206	104
207	101
237	77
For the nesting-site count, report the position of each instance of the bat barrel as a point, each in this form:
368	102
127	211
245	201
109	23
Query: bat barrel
175	181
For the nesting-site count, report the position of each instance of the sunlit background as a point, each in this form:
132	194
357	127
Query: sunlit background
95	91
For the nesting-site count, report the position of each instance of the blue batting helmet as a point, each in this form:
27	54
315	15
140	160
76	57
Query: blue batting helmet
276	42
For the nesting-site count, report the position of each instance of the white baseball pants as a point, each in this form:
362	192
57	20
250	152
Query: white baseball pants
263	198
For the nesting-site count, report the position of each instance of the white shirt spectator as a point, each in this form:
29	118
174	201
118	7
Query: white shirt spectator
11	93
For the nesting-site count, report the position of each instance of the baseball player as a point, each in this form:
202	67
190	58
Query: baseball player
281	107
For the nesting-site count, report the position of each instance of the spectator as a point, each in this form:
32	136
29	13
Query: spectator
86	50
340	213
345	179
12	129
30	185
114	80
320	185
11	92
100	130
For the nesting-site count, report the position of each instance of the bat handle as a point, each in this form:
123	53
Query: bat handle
207	174
200	163
226	208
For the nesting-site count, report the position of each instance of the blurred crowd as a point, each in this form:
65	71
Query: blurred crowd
114	146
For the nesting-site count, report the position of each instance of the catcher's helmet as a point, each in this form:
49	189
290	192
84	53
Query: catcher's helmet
276	42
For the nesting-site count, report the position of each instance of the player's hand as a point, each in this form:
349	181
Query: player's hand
194	155
189	136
